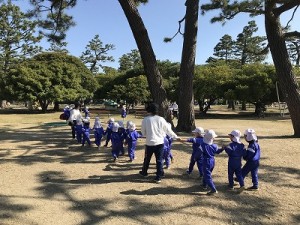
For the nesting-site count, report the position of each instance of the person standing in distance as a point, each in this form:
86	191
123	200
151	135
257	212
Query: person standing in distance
75	115
154	129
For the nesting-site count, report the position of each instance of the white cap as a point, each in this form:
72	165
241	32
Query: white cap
78	121
132	127
111	120
121	123
250	135
86	120
115	127
199	130
128	124
209	137
236	135
97	123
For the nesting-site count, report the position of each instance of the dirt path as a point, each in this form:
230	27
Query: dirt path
46	178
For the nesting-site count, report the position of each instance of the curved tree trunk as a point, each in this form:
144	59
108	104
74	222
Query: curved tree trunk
284	70
141	37
186	119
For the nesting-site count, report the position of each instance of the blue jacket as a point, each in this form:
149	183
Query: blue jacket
108	130
132	136
116	141
252	151
196	143
235	151
209	151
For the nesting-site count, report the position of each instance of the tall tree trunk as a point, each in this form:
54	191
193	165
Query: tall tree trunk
186	119
283	66
141	37
56	106
244	107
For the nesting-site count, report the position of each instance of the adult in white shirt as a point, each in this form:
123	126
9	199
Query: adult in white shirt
154	129
175	109
74	115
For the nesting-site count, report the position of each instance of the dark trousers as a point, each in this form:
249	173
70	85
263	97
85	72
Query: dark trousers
73	127
158	151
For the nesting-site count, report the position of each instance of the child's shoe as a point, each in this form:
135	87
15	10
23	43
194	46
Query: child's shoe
230	188
143	174
241	189
157	180
212	192
253	188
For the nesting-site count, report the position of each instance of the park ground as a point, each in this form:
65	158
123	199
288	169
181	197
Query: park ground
46	178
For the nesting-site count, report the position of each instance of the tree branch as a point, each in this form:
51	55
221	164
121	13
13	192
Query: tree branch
285	7
287	25
292	34
178	31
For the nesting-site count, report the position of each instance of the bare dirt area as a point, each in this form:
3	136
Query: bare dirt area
47	178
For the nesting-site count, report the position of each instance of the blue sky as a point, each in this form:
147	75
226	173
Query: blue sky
106	18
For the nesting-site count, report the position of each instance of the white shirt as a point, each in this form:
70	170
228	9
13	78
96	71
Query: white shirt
74	115
155	128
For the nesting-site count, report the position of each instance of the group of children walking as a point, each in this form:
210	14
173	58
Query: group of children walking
115	132
204	150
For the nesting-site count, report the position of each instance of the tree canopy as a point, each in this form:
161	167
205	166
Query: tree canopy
17	41
52	76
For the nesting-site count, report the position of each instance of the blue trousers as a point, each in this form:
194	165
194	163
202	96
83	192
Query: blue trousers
131	150
86	138
251	166
199	164
238	172
78	130
208	167
98	138
158	151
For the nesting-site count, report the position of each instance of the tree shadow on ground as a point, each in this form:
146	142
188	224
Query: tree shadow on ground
55	184
9	210
277	175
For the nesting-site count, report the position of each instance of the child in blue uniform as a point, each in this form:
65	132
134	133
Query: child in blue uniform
66	112
78	130
116	141
235	151
252	158
197	154
131	140
108	130
122	133
86	132
209	150
86	112
123	112
167	150
98	132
